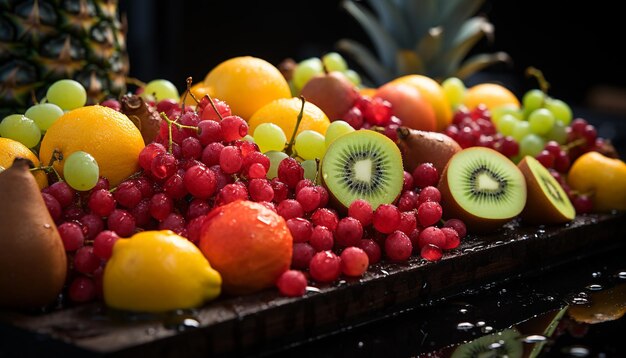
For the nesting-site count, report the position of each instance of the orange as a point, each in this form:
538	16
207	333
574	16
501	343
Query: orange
367	92
409	105
248	244
109	136
11	149
434	94
602	177
199	90
284	113
490	94
247	84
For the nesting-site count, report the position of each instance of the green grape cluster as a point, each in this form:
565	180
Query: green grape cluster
311	67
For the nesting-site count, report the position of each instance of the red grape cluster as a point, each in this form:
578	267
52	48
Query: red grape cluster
475	128
373	112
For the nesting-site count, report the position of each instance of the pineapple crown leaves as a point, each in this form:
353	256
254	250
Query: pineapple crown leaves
420	36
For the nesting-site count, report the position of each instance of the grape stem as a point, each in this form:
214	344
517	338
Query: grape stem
48	169
130	177
541	79
187	90
214	108
575	143
169	129
289	149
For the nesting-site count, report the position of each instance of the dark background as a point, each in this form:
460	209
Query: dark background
576	44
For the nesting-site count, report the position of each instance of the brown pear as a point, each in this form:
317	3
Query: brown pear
419	147
33	264
332	92
145	117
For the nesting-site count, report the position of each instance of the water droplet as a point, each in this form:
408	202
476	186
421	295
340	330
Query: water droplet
312	289
360	344
463	310
486	329
183	325
384	272
480	323
622	275
580	298
549	298
541	231
47	226
594	287
535	338
577	351
596	274
464	326
494	346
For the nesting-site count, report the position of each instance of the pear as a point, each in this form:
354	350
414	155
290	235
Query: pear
332	92
419	147
33	264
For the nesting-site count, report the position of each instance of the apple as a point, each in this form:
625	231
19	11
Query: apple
332	92
409	105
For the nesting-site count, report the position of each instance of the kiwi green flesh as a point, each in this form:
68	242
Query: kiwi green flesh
551	188
486	184
502	344
363	165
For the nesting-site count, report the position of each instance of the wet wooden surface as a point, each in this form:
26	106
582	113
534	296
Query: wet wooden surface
264	322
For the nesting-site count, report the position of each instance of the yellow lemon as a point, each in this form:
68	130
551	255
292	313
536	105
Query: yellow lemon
491	95
157	271
284	113
246	84
11	149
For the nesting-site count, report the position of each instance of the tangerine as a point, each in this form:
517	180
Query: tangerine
108	135
491	95
248	244
434	94
284	113
11	149
247	84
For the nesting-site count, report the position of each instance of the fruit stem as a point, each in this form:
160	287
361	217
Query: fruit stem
575	143
48	169
187	90
541	79
130	177
135	81
289	148
56	156
214	108
169	129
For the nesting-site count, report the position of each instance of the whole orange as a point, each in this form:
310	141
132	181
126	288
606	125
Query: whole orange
248	244
492	95
602	177
109	136
434	94
247	84
11	149
284	113
199	90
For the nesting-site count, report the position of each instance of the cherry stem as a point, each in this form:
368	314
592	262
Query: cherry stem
187	90
289	148
541	79
56	156
48	169
169	129
135	81
575	143
214	108
130	177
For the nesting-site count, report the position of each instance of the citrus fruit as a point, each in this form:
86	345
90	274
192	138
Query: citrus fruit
156	271
602	177
199	90
409	105
284	113
247	84
248	244
434	94
109	136
11	149
491	95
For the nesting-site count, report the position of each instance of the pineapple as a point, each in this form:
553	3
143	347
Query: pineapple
42	41
429	37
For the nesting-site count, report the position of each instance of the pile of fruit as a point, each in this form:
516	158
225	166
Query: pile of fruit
255	178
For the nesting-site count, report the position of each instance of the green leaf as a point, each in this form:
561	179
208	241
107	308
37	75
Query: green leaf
386	46
408	62
421	15
470	29
430	45
479	62
452	58
375	70
454	13
393	21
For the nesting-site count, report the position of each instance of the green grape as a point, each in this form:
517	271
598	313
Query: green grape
506	124
334	62
531	144
561	111
454	90
20	128
521	130
67	94
310	145
275	159
161	89
81	171
306	70
336	129
310	169
248	138
499	112
541	121
533	99
353	76
269	136
44	114
558	133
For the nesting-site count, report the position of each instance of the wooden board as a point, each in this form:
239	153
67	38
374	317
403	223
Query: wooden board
264	321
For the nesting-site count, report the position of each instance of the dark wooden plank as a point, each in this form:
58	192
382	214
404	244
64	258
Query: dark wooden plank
240	324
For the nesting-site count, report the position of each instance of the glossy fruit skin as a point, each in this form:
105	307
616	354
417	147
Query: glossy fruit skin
409	105
434	94
11	149
419	147
158	271
249	244
490	94
32	259
605	177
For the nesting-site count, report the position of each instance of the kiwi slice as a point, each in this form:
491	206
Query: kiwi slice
363	165
547	201
483	188
502	344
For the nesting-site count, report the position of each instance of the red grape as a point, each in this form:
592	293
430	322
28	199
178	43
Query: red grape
354	261
302	255
361	210
321	238
349	232
398	246
386	218
325	266
292	283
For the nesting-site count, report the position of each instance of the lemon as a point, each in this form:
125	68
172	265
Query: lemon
157	271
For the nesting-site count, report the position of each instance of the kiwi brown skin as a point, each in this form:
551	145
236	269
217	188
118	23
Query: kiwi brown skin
419	147
538	209
452	210
33	264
